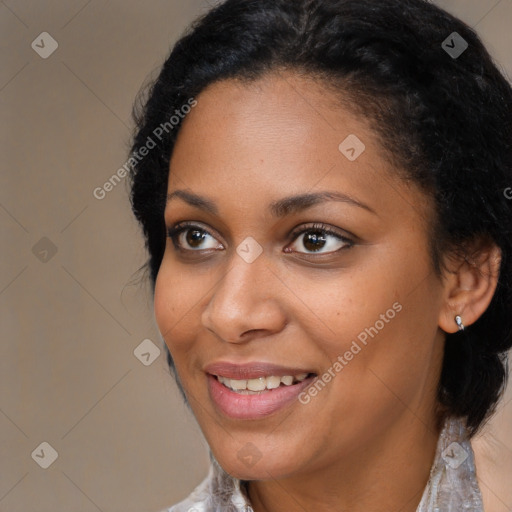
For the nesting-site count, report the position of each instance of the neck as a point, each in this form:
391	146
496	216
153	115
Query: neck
389	474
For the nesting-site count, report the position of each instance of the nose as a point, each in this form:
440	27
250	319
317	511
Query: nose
245	304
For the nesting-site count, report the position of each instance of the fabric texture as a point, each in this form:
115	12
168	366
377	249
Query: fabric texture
452	486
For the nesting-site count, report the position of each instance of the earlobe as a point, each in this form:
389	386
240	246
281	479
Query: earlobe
469	288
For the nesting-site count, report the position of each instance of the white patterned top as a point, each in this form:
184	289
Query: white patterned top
452	486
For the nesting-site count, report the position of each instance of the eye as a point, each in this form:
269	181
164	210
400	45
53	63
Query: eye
190	237
320	239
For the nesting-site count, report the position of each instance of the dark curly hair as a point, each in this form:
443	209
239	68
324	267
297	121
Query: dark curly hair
445	119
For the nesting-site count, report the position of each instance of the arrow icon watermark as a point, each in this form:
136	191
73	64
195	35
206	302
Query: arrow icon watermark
44	45
454	45
146	352
352	147
45	455
249	249
44	250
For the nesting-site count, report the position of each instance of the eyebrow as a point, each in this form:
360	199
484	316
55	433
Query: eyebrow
279	208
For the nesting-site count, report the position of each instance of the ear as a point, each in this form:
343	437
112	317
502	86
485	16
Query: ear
469	284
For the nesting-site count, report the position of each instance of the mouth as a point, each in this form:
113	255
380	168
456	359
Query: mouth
255	390
261	384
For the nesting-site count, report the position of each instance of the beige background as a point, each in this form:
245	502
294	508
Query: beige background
70	325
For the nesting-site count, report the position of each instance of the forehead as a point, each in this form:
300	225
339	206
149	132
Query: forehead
279	135
280	118
281	106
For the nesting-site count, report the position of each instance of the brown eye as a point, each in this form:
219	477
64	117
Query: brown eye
314	240
188	237
194	237
320	240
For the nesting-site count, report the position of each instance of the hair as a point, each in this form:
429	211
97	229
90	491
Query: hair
447	122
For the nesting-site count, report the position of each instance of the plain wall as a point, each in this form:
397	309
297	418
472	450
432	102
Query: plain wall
71	317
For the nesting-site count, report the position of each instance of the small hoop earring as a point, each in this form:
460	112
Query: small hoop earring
458	321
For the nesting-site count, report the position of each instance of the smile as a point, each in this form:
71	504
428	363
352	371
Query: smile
260	384
254	390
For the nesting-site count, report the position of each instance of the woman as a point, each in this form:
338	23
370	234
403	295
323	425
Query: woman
322	185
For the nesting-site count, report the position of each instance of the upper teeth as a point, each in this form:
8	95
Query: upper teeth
261	383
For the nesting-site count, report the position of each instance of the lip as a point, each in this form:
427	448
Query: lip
251	370
252	407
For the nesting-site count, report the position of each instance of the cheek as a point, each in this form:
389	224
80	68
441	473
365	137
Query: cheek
164	303
378	324
175	302
390	362
337	310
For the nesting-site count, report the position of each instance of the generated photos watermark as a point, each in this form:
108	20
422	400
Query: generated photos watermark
343	360
136	156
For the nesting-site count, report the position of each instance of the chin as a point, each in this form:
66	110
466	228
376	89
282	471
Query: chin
248	464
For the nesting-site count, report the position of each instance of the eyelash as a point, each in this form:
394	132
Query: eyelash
175	231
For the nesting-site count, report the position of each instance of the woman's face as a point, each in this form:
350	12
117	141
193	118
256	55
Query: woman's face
304	270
